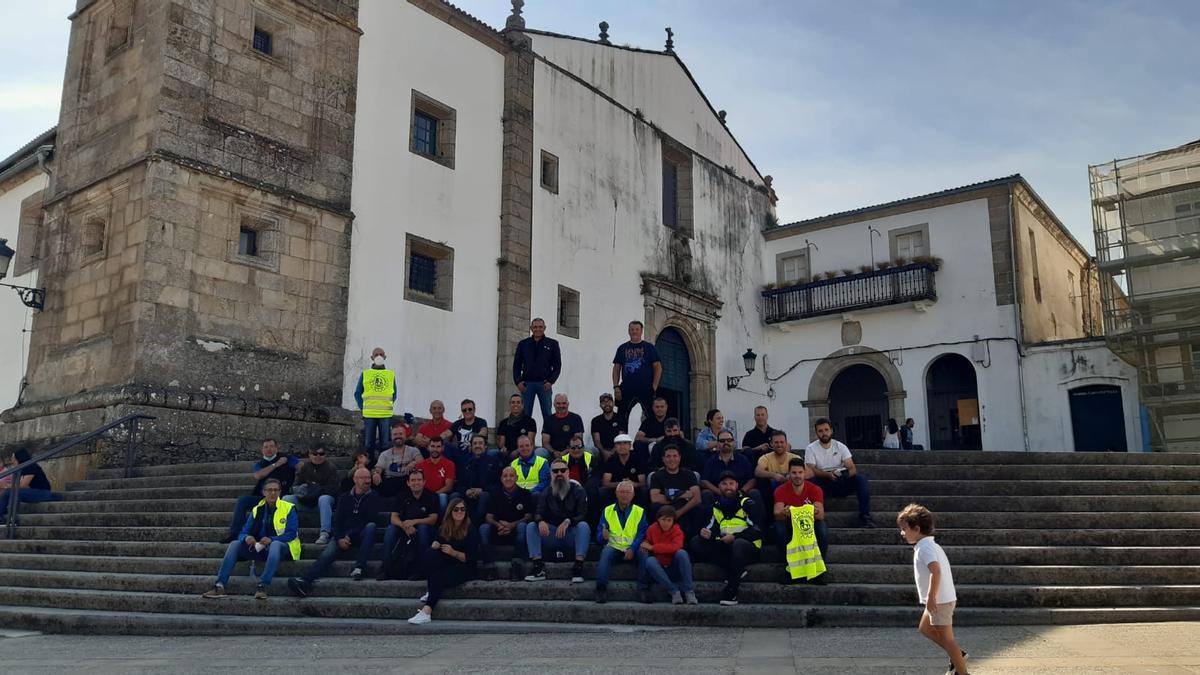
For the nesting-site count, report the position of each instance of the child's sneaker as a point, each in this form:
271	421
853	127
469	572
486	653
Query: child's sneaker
950	666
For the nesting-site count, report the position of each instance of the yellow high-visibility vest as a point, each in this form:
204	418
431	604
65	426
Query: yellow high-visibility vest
803	556
379	390
529	480
282	509
736	523
621	538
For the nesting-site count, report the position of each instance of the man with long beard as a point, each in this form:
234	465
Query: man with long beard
561	523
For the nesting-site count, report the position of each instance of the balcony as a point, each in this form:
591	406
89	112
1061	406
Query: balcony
880	288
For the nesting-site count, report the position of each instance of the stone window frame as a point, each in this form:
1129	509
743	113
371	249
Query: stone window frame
895	234
29	234
118	27
275	25
568	312
268	227
780	258
443	297
93	234
679	158
447	120
549	172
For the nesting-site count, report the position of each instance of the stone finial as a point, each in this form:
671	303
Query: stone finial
604	33
515	20
670	41
721	116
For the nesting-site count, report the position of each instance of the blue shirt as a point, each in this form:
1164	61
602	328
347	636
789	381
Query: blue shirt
482	471
739	465
704	437
543	475
622	517
637	365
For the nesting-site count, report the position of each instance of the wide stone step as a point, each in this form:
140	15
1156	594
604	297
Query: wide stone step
244	468
1039	488
240	480
941	472
1000	457
228	492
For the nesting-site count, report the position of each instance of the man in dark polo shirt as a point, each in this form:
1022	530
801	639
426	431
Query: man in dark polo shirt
758	439
622	466
605	427
411	529
516	425
561	427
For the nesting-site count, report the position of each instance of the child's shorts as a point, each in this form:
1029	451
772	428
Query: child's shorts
944	616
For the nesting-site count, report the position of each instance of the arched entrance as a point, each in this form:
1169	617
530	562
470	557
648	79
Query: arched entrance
858	406
953	398
1098	418
676	383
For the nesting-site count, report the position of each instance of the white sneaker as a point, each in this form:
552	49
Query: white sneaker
356	573
323	539
420	618
424	598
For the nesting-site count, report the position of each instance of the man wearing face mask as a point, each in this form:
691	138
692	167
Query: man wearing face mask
375	395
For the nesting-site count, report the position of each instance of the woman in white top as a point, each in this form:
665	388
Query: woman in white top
891	436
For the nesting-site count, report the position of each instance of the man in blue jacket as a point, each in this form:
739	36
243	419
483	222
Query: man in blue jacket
270	533
478	475
537	364
353	526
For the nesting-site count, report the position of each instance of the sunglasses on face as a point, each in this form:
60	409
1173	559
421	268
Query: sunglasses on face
576	447
558	470
726	440
459	509
319	454
467	410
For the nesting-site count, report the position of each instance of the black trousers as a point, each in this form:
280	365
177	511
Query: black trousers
733	558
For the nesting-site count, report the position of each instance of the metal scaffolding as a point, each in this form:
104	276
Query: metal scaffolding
1146	218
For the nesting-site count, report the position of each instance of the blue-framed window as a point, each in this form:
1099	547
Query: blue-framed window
424	133
262	41
422	274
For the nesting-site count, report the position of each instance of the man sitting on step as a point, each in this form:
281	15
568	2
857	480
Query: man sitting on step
354	525
834	472
561	523
271	466
731	540
411	530
316	487
271	532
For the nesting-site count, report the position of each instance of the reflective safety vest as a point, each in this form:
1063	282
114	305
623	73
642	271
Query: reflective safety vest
736	523
282	509
803	557
379	390
587	458
621	538
529	480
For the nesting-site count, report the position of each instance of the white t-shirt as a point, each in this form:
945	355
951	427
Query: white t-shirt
927	551
826	458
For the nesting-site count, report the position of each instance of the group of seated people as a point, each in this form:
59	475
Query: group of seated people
447	506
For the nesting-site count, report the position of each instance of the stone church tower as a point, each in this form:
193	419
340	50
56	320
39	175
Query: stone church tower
196	235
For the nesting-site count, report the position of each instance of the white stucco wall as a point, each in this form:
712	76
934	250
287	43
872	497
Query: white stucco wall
15	317
436	353
656	85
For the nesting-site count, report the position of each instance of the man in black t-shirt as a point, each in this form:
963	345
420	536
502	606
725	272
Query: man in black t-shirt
758	439
514	426
463	430
652	430
411	529
678	486
605	427
636	373
562	426
622	466
35	487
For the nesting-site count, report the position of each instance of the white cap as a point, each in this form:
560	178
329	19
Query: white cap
623	438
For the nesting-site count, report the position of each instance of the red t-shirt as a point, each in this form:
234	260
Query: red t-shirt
433	428
436	473
809	494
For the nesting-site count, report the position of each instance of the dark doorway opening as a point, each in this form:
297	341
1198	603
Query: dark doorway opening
1098	419
858	406
676	383
953	398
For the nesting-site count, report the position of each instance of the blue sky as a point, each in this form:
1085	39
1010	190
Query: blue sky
847	104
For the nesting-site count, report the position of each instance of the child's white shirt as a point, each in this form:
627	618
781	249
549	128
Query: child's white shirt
927	551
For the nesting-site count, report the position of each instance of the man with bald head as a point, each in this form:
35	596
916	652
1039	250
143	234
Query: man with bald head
353	525
621	530
437	427
562	427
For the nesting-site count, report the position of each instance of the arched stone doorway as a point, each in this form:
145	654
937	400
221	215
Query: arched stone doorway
858	406
676	384
953	404
820	386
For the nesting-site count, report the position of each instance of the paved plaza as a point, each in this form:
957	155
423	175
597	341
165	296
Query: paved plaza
1123	648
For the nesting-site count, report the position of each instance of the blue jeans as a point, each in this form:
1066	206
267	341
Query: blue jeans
488	537
240	510
577	536
422	540
783	534
365	541
610	555
544	397
377	434
324	505
238	550
856	485
680	568
25	496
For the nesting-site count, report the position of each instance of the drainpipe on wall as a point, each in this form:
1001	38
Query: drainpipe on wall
1012	242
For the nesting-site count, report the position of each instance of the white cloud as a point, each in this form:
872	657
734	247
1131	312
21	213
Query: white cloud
30	97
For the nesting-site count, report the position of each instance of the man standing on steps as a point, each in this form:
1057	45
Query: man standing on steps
731	540
537	363
316	486
834	472
354	526
270	532
273	466
561	522
375	395
636	373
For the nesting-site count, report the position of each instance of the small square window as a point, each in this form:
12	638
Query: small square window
95	231
428	272
568	312
422	274
262	41
550	172
677	207
424	134
248	242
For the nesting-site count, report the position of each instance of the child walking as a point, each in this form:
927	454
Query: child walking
935	583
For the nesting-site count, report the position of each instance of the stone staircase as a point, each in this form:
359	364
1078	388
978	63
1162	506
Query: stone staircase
1035	538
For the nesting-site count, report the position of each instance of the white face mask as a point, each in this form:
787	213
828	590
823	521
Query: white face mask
378	360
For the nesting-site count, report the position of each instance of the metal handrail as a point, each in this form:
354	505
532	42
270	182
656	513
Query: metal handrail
15	472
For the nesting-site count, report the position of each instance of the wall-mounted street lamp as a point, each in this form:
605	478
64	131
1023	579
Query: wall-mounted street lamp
34	298
748	359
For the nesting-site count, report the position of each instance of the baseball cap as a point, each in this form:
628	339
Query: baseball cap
623	438
726	474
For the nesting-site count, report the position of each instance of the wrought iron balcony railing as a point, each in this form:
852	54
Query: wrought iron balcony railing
892	286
